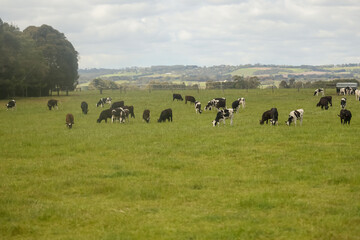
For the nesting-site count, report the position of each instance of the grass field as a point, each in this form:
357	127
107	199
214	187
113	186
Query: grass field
179	180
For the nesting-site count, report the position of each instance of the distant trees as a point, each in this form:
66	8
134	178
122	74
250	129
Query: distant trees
35	61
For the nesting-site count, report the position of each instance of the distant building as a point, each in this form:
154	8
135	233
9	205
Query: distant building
339	85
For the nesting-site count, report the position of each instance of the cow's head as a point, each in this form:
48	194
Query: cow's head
289	121
214	123
69	125
261	122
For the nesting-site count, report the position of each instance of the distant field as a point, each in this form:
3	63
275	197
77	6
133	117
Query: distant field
179	180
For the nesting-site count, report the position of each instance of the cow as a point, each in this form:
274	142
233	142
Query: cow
190	99
117	104
52	103
131	110
166	115
146	115
11	104
345	116
119	114
349	90
198	107
324	101
357	94
342	91
343	102
237	103
222	115
177	97
217	103
103	101
295	115
104	115
271	115
84	107
69	120
319	90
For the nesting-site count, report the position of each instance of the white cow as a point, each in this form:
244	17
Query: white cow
319	90
357	94
295	115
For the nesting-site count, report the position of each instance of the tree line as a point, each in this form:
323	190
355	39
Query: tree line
36	61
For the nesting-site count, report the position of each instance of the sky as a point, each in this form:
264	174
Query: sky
143	33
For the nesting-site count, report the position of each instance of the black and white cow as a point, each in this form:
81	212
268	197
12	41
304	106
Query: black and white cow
131	110
227	113
345	116
84	107
69	120
343	102
103	101
177	97
104	115
295	115
189	99
117	104
52	103
319	90
342	91
324	101
271	115
217	103
119	114
146	115
198	107
237	103
11	104
166	115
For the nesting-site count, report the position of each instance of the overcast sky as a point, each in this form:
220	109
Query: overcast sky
125	33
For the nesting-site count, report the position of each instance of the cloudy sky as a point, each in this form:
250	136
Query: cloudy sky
125	33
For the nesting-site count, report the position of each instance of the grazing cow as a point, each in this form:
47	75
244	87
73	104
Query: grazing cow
198	107
69	120
271	115
119	114
217	103
103	101
117	104
166	115
295	115
345	116
177	97
343	102
319	90
52	103
324	101
104	115
237	103
190	99
146	115
342	91
11	104
84	107
357	94
222	115
131	110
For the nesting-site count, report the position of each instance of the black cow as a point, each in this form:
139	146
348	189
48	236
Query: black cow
272	115
69	120
84	107
216	102
131	110
52	103
102	101
146	115
345	116
324	101
11	104
166	115
117	104
343	102
198	107
177	97
190	99
104	115
222	115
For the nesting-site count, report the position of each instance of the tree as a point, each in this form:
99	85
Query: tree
283	84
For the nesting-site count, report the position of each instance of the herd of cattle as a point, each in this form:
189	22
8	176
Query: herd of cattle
120	112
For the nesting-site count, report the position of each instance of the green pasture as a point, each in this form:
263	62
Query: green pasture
183	179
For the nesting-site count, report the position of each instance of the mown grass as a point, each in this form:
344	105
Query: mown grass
179	180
